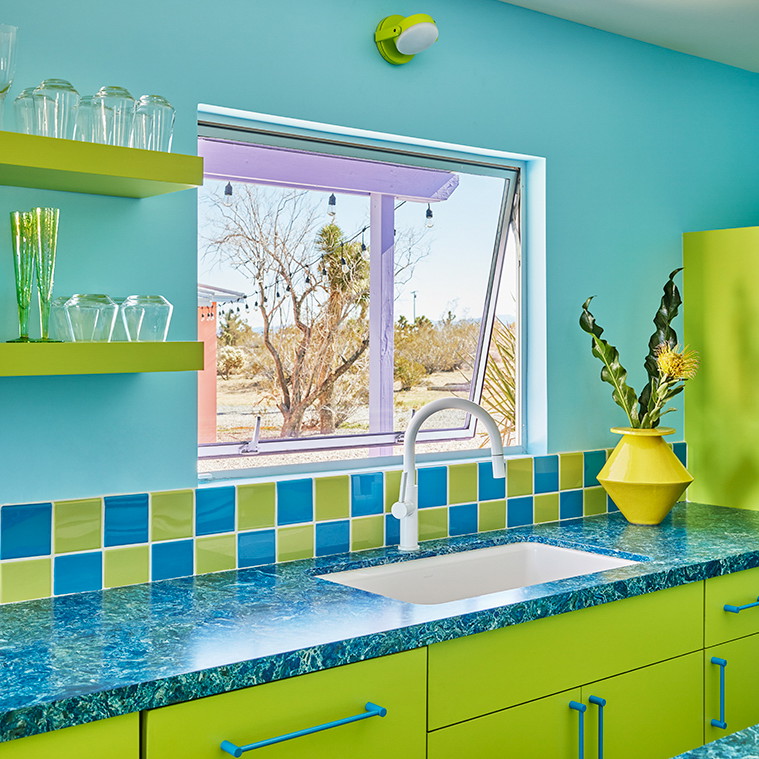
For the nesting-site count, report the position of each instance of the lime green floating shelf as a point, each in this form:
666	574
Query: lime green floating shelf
55	359
52	164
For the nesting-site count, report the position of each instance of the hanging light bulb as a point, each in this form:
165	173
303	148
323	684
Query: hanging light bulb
228	194
428	215
332	205
344	266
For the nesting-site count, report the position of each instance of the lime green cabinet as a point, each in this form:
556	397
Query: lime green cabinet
735	590
741	686
537	730
649	713
115	738
196	729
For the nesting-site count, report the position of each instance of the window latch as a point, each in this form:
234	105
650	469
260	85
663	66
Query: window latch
252	445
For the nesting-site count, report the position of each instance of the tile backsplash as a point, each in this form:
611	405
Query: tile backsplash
74	546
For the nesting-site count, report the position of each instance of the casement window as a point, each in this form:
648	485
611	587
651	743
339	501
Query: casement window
342	289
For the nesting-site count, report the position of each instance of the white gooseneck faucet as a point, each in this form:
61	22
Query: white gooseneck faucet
406	508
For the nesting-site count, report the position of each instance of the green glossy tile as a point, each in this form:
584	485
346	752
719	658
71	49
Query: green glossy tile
367	532
570	471
295	542
492	515
126	566
546	507
256	505
433	523
78	525
171	514
462	483
332	497
24	580
519	477
215	553
392	488
593	501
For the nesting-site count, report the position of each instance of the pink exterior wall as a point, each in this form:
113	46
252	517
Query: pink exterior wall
207	378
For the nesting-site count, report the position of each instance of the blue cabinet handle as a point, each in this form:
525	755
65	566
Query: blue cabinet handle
372	710
600	703
720	723
580	709
738	609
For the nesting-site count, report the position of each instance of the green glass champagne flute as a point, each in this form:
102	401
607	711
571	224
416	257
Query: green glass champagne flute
23	235
46	242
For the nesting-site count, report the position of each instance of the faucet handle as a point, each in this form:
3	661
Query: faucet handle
402	509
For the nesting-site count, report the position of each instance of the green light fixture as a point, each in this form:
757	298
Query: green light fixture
400	38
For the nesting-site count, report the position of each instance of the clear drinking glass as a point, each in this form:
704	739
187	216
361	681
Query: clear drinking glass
24	107
22	233
60	326
8	35
46	242
55	105
113	110
84	120
92	317
146	317
153	123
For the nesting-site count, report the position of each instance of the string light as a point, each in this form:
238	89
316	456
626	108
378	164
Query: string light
228	194
332	205
428	215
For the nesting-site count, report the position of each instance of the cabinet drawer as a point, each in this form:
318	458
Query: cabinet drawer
538	730
736	590
494	670
196	729
115	738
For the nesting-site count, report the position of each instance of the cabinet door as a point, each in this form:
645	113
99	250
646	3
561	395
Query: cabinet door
538	730
650	713
741	686
738	591
196	729
115	738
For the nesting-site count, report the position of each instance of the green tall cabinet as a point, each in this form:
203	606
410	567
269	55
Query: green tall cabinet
721	297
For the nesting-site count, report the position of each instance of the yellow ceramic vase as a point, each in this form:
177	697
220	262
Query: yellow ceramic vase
643	476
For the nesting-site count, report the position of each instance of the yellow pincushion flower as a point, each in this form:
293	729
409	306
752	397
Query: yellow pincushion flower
676	363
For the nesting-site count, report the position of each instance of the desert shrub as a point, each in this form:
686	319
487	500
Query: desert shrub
408	372
229	360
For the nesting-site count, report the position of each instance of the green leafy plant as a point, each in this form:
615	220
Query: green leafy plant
667	366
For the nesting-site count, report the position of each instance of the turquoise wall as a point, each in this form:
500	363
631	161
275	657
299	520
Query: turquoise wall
641	143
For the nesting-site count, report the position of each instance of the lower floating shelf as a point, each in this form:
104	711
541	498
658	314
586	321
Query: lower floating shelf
56	359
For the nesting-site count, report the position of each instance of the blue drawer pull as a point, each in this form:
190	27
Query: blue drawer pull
738	609
600	703
580	709
372	710
720	723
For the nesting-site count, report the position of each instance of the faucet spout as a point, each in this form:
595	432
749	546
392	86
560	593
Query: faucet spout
406	509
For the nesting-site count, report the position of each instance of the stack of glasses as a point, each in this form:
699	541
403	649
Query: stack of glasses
35	237
111	116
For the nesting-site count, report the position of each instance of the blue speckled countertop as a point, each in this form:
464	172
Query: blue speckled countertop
742	745
74	659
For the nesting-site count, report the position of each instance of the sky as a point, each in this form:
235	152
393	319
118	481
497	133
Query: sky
454	274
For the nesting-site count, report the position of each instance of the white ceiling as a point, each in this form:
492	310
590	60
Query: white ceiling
721	30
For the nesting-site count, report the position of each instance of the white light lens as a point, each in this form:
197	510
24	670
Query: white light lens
416	38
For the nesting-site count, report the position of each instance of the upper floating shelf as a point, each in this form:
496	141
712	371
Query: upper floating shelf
48	163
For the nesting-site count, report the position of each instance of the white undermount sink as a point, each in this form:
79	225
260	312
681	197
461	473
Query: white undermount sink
467	574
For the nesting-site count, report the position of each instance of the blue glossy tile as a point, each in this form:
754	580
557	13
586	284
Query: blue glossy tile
610	505
462	520
593	462
332	537
25	530
256	548
126	519
367	494
681	451
490	488
392	530
295	501
570	504
433	486
546	470
519	511
172	558
214	510
78	572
